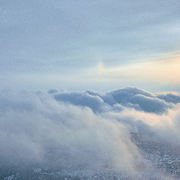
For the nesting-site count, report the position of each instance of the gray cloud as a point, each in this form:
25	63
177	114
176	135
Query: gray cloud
42	33
170	97
127	97
96	101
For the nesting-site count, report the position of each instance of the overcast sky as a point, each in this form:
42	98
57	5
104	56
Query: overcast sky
100	45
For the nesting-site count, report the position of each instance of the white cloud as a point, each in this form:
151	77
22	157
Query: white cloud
60	134
87	131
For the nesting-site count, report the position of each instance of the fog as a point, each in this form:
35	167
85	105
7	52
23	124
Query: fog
88	130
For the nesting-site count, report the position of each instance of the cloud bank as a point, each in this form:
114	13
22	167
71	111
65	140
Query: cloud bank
131	132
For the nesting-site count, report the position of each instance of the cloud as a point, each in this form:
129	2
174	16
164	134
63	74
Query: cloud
96	101
94	131
170	97
128	97
58	134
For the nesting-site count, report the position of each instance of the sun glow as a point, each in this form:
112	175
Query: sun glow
166	70
101	65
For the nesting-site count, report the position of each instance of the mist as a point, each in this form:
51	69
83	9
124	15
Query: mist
127	132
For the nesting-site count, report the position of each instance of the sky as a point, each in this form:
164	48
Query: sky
99	45
79	78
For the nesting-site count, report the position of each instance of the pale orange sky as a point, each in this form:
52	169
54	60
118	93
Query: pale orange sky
163	70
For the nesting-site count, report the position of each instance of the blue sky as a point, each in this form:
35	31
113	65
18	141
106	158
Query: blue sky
100	45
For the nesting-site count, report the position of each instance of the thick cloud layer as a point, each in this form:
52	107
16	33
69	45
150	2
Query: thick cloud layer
90	130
